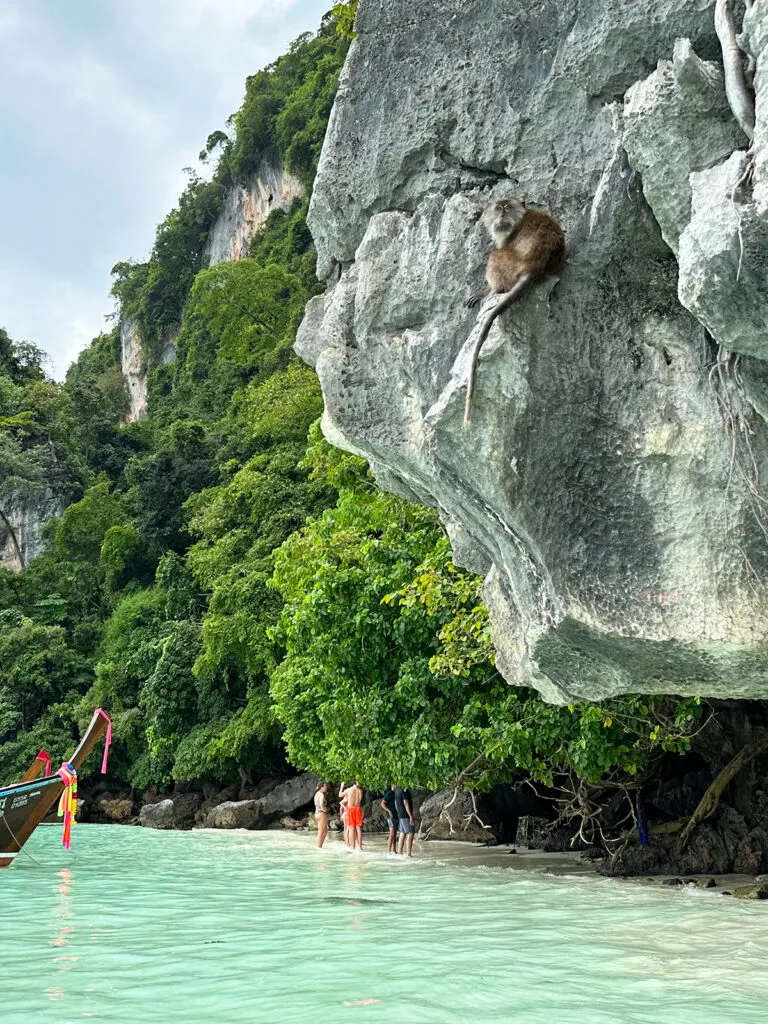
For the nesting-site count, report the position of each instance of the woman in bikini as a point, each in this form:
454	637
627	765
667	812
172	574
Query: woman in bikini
321	812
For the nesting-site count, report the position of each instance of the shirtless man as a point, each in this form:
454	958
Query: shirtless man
343	797
354	797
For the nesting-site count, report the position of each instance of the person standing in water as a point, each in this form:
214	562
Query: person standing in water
390	808
404	806
321	812
343	812
354	797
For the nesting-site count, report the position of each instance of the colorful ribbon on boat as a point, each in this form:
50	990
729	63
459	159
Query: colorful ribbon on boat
68	801
107	741
45	757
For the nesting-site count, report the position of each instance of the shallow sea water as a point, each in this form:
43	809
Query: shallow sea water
212	927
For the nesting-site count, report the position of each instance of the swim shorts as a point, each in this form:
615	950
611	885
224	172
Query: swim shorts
405	826
355	817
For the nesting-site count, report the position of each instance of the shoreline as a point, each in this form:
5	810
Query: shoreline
471	855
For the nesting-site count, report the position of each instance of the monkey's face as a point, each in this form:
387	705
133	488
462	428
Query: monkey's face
503	216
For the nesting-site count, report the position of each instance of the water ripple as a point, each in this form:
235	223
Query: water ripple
230	927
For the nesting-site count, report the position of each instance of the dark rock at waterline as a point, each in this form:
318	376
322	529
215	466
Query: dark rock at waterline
752	853
532	832
593	853
177	813
119	809
185	807
727	843
448	815
159	815
281	802
756	891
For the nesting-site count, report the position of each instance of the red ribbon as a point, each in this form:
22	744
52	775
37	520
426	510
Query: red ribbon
108	740
45	757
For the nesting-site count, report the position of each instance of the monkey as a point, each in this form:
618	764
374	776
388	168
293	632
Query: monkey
528	244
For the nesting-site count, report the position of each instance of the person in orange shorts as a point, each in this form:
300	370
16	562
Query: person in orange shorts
354	797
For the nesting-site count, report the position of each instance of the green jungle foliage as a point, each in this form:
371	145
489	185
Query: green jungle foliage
231	588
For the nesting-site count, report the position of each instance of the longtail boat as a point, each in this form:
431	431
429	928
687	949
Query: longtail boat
24	804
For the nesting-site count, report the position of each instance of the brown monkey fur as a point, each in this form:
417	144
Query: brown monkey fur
528	244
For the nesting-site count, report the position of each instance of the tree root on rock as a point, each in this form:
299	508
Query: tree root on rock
711	799
740	99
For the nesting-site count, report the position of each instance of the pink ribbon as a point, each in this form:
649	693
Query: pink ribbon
68	801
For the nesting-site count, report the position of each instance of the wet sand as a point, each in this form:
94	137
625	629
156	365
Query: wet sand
520	858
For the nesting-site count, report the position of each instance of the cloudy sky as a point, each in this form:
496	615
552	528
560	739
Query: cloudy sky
102	103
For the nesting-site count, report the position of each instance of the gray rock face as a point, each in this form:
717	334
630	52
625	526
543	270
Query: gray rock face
444	816
158	815
235	814
246	208
133	371
281	801
609	486
22	525
289	796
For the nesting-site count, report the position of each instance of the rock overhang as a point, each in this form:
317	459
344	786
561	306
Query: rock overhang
596	488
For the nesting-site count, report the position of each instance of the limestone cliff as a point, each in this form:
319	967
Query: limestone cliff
244	211
21	523
133	370
610	486
246	208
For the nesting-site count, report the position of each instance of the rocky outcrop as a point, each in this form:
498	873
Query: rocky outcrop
290	796
133	370
21	526
246	208
449	815
281	801
610	486
117	808
159	815
235	814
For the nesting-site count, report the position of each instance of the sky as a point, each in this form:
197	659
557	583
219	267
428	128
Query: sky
102	103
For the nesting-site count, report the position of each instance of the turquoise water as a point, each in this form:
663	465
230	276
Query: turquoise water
227	927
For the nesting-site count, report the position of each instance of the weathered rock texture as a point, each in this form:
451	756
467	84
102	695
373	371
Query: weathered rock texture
449	815
133	370
23	519
609	488
246	208
159	815
286	798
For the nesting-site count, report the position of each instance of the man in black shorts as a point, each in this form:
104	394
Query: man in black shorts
404	808
390	808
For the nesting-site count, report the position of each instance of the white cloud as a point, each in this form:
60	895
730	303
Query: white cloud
102	103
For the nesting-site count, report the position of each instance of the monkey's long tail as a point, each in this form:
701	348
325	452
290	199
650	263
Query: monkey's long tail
504	303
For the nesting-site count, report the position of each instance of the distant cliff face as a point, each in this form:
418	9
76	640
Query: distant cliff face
245	211
21	525
133	371
246	208
610	487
